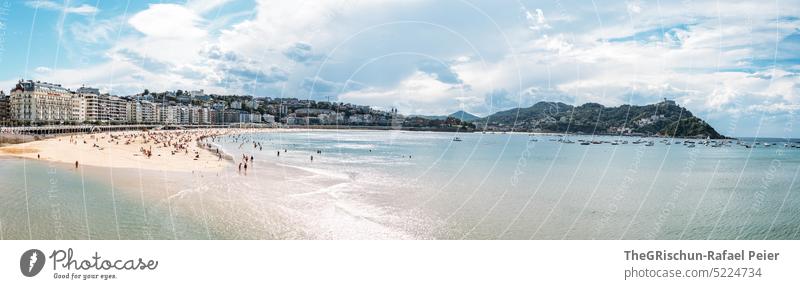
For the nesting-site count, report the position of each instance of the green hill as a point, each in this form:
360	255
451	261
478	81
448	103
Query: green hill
665	118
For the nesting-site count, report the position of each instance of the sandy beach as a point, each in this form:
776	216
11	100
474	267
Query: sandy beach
179	150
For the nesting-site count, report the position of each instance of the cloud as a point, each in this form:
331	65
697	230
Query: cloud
94	32
418	94
441	71
168	21
634	7
300	52
536	20
317	86
83	9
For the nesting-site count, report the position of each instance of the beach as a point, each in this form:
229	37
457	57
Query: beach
177	150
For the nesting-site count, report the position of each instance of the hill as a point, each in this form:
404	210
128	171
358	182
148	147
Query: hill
464	116
665	118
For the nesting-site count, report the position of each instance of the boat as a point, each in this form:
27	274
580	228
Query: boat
456	139
585	143
690	146
649	144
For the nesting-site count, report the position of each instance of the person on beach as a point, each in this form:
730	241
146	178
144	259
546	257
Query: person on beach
279	153
240	167
312	159
76	164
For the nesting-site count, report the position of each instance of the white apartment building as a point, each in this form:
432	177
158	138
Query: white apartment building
41	102
183	114
78	108
168	115
142	112
102	108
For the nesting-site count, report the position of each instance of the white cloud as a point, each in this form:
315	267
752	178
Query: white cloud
634	6
84	9
168	21
536	21
419	93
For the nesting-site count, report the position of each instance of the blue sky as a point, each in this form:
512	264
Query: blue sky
735	64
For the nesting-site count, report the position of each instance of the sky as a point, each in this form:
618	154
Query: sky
736	65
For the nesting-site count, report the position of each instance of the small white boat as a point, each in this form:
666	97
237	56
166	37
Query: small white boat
456	139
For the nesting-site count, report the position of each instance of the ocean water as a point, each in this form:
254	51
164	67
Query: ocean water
418	185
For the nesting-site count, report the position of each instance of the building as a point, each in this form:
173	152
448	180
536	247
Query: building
98	108
168	114
183	114
4	114
204	115
78	109
230	116
197	93
236	104
116	109
143	111
34	101
268	118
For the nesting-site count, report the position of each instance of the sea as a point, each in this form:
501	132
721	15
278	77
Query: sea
398	184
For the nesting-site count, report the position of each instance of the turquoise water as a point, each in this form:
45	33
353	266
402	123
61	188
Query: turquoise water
420	185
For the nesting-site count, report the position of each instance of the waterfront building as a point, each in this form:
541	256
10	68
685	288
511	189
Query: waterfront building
230	116
4	113
143	111
268	118
183	115
34	101
78	109
168	114
99	108
4	108
204	115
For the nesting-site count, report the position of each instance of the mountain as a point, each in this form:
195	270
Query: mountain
430	117
665	118
464	116
461	115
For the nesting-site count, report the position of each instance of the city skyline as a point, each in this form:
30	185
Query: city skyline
736	65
